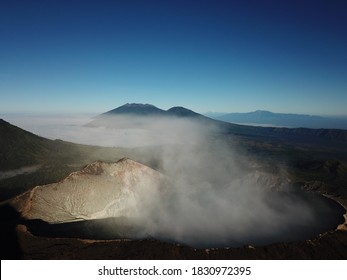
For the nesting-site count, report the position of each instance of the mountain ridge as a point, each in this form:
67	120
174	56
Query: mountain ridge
149	109
263	117
277	132
144	113
17	143
135	108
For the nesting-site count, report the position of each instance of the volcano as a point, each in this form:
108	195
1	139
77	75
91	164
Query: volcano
127	199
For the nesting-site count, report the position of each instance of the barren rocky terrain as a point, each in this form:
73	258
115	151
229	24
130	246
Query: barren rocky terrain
100	190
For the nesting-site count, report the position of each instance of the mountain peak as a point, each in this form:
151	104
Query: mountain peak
181	112
148	110
142	113
262	112
135	109
138	105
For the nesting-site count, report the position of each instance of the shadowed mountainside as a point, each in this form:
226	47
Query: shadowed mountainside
27	160
18	144
19	148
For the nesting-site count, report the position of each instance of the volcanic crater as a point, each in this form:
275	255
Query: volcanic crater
129	200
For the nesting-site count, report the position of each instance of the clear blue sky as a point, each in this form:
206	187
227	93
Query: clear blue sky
230	56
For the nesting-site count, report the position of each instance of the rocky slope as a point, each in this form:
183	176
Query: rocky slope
100	190
329	246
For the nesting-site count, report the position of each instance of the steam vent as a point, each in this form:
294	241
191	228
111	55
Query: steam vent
100	190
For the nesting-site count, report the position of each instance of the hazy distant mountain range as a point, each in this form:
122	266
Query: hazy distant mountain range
138	113
257	118
146	112
149	110
266	118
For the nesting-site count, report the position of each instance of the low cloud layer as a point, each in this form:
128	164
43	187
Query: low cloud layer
127	131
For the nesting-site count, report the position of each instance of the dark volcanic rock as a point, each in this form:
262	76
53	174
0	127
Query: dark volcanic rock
330	245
